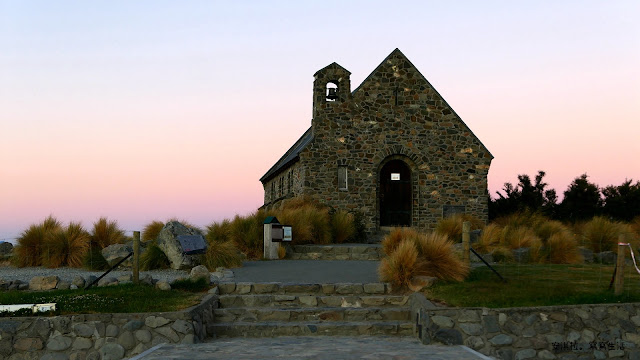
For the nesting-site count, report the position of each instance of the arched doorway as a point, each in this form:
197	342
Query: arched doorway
395	194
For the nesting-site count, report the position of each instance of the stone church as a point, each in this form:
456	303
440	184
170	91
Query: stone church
392	149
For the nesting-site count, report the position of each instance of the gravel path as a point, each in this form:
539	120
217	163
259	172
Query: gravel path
9	273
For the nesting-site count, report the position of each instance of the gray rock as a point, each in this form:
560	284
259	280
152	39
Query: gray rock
442	321
474	342
501	339
491	324
198	272
182	326
546	355
112	351
79	282
43	282
63	285
54	356
90	279
471	328
116	252
521	255
144	336
6	248
448	336
163	285
59	343
587	254
168	333
156	321
84	329
127	340
107	281
606	257
112	330
82	343
169	244
525	354
133	325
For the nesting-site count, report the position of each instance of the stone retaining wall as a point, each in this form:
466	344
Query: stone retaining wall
102	336
607	331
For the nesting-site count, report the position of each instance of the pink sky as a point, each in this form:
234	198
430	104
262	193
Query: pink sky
149	110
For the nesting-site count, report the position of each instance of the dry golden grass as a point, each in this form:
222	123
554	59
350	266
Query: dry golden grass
247	233
391	241
452	226
219	231
519	237
66	247
106	233
152	230
635	225
400	266
562	248
502	254
28	250
438	257
342	226
282	252
601	234
310	224
300	202
523	218
491	238
154	258
222	253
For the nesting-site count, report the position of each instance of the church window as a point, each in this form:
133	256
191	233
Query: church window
281	189
342	177
273	190
289	183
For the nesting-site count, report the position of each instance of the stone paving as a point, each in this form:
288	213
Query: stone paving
318	347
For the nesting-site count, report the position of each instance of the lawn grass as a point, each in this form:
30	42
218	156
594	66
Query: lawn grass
537	285
127	298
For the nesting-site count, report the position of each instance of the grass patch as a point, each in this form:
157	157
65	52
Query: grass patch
154	258
537	285
152	230
128	298
106	233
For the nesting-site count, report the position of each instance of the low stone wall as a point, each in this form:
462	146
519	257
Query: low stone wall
102	336
607	331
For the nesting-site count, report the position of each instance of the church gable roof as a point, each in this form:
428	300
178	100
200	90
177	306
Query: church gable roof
397	54
289	157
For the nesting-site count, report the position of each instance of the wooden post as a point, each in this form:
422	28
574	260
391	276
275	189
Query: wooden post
619	281
136	257
466	239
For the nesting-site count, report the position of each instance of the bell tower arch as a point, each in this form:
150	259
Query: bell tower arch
331	85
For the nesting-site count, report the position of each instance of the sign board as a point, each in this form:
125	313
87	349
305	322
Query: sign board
395	176
277	233
287	233
192	244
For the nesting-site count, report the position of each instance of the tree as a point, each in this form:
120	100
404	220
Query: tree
581	201
524	196
622	202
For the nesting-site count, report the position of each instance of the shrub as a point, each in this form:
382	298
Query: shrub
106	233
342	226
400	266
154	258
562	248
519	237
523	218
600	234
222	253
310	224
452	225
219	231
28	250
502	254
438	257
152	230
247	233
491	238
66	247
635	225
391	241
93	260
360	235
198	285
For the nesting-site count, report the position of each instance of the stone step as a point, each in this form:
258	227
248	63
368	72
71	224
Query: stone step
337	252
312	314
310	328
309	289
306	301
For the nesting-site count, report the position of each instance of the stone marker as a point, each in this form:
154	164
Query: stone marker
170	246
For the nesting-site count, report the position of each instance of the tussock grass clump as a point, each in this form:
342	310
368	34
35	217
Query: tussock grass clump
222	253
523	218
28	250
400	266
106	233
343	227
152	230
490	239
310	224
219	231
66	247
247	233
452	226
154	258
410	254
190	285
600	234
562	248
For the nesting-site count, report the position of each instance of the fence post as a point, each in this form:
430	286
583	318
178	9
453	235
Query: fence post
466	239
619	281
136	257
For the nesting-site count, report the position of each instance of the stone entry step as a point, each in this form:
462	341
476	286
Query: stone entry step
297	288
371	252
312	314
310	328
305	301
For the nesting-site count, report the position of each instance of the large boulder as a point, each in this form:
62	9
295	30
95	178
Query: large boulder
606	257
170	246
116	252
6	248
43	282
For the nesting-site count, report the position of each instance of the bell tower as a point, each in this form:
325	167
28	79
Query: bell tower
331	86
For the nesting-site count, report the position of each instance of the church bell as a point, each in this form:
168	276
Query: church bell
332	94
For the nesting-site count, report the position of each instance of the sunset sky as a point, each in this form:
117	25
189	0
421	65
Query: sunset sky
144	110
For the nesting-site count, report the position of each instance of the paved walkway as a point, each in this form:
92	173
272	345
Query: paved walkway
308	271
316	347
